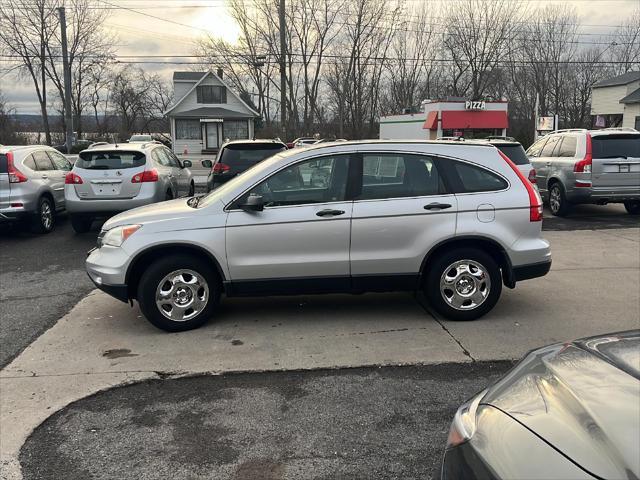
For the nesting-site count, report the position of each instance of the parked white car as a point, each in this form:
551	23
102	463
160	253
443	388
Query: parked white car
456	220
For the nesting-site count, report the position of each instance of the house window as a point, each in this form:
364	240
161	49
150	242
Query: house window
188	130
236	129
211	94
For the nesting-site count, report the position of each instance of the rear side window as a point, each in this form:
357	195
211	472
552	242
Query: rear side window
4	164
616	146
549	147
249	154
110	160
567	147
398	176
43	162
515	153
476	179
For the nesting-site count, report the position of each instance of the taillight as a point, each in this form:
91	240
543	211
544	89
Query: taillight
146	176
221	168
532	176
15	175
72	179
584	165
290	144
535	202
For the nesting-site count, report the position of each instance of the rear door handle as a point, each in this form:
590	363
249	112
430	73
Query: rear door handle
437	206
329	213
548	164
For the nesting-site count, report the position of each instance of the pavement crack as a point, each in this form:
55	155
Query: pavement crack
31	297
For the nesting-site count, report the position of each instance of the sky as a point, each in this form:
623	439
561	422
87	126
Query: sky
141	34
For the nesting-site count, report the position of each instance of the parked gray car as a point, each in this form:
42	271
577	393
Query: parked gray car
567	411
588	166
32	185
113	178
454	220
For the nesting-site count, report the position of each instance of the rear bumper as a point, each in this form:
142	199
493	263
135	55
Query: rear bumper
75	204
533	270
7	216
602	194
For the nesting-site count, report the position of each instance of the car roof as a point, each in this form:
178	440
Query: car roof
20	148
496	141
142	146
254	140
399	142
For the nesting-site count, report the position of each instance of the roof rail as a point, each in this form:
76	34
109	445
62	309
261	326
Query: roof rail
500	137
570	130
618	129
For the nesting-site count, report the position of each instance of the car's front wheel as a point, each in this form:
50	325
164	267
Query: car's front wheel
178	293
633	207
463	284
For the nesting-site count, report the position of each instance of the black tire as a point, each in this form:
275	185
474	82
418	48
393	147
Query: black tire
81	224
558	203
169	195
436	270
44	219
156	272
192	190
633	207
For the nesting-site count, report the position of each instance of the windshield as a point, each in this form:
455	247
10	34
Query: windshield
515	152
110	160
616	146
255	170
248	154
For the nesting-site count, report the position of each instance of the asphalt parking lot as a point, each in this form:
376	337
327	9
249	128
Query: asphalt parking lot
102	343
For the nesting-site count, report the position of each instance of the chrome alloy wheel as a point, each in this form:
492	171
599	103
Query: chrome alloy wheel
46	215
181	295
465	285
555	199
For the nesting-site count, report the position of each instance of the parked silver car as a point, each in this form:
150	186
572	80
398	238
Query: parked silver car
588	166
113	178
452	219
32	185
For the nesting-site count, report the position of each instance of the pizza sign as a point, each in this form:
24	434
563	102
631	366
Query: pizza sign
475	105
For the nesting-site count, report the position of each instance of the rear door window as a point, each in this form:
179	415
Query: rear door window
110	160
471	179
549	147
515	152
536	148
43	162
567	147
397	176
59	161
616	146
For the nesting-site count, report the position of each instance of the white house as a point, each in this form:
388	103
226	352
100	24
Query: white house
615	102
206	112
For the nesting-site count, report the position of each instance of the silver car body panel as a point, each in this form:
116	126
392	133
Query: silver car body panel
372	237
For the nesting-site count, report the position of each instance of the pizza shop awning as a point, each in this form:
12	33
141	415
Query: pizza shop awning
431	123
481	119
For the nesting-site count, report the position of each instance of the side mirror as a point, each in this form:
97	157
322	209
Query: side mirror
186	164
207	163
253	203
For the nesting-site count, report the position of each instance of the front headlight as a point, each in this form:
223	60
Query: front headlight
464	422
116	236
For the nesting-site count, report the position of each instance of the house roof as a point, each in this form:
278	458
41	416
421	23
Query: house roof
198	82
623	79
633	97
212	112
190	76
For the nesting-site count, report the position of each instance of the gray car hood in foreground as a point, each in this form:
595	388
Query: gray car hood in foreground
583	398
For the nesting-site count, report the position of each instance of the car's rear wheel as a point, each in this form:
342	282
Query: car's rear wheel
192	190
81	224
558	203
168	195
178	293
44	219
463	284
633	207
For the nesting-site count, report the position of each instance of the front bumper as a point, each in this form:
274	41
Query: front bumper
120	292
107	267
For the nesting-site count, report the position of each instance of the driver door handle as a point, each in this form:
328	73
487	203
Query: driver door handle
329	213
437	206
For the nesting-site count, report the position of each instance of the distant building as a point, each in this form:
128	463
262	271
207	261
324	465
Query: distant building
452	117
206	112
615	102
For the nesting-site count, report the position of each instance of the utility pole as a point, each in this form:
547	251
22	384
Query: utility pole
283	72
67	80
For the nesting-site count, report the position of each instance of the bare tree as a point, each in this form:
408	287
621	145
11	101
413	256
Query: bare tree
626	51
25	31
8	125
129	98
479	34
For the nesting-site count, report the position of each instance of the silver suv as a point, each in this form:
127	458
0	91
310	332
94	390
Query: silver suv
588	166
112	178
32	185
452	219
